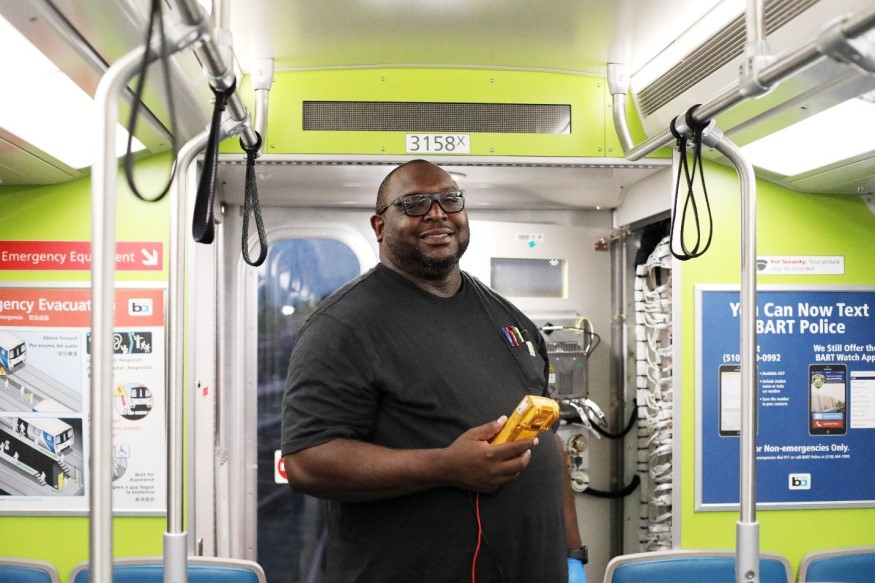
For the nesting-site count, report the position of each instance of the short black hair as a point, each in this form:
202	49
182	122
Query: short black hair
383	190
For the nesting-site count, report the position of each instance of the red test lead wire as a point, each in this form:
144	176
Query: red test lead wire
479	538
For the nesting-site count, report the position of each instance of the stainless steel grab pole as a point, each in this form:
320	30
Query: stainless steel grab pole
747	534
104	174
103	187
176	538
219	73
747	528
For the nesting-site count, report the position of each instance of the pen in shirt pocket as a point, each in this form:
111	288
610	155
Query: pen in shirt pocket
528	342
510	337
516	338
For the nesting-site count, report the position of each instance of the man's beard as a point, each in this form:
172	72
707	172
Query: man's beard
418	264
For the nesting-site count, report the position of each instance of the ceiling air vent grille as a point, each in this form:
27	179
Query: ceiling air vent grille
412	117
723	47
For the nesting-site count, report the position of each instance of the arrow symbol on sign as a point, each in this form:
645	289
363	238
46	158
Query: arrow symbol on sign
149	257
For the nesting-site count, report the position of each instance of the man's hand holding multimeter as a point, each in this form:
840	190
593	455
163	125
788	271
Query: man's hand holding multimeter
533	415
486	457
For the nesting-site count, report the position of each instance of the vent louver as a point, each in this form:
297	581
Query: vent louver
412	117
720	49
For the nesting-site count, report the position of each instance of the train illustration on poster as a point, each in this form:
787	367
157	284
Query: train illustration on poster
40	368
132	400
49	433
40	434
13	350
45	370
40	455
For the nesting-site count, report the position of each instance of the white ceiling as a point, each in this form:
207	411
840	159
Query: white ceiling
571	36
559	35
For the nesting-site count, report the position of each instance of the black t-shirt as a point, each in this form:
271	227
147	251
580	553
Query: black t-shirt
386	362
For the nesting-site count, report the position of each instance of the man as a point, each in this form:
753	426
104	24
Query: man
396	385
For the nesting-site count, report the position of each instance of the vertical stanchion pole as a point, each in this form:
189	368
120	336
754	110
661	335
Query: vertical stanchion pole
175	539
104	174
747	538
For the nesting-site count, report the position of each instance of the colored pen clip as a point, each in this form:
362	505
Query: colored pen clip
524	339
528	342
516	338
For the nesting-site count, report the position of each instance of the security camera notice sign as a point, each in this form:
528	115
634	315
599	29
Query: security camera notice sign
45	399
801	264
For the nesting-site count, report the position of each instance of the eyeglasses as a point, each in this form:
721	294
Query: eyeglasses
417	204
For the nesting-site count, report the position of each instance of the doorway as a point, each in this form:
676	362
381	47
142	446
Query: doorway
296	276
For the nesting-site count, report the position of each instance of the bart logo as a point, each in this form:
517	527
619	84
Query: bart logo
799	481
140	307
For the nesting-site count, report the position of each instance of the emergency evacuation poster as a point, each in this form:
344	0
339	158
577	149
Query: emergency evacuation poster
816	397
45	387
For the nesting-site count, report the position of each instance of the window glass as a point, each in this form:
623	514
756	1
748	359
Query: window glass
296	276
529	278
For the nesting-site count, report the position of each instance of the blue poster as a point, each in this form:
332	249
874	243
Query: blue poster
816	406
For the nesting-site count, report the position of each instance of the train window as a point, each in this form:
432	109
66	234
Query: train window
297	275
529	278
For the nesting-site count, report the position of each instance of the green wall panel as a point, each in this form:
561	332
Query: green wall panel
788	223
63	213
586	95
63	541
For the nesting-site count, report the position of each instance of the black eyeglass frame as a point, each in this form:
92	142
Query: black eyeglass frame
436	197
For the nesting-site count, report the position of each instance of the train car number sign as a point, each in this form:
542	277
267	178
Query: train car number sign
438	144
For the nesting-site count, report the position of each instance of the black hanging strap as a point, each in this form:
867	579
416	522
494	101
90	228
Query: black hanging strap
250	204
203	225
691	206
155	18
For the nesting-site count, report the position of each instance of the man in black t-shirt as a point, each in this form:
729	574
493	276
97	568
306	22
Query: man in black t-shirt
397	383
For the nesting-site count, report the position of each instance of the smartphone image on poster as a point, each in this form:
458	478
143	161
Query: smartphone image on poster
827	399
729	390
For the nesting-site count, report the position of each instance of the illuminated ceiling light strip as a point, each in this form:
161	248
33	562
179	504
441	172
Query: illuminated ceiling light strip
48	110
838	133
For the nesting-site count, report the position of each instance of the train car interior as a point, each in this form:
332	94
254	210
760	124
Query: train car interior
680	194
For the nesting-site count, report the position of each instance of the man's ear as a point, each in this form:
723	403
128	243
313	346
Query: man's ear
377	224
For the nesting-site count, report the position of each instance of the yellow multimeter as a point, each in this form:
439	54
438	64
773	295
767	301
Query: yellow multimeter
533	415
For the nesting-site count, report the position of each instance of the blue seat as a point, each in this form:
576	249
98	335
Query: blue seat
693	566
200	570
15	570
841	565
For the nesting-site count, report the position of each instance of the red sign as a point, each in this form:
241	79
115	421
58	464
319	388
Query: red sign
63	308
279	474
76	256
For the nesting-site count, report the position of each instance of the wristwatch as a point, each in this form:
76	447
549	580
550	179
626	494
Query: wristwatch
580	554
